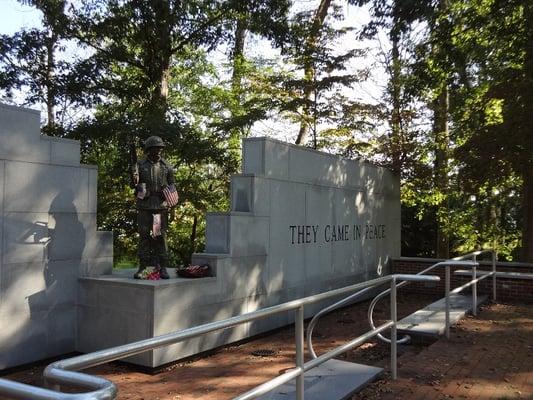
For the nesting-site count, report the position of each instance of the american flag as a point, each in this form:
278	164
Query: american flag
171	195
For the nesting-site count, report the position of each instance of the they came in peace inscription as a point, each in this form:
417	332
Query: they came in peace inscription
303	234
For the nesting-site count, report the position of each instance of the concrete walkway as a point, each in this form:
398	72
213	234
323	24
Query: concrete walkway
488	357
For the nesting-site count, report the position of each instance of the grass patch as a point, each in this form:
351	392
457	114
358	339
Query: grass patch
125	264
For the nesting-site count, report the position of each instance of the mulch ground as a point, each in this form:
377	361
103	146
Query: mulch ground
490	357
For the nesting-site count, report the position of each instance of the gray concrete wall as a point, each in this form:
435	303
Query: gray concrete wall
320	221
48	236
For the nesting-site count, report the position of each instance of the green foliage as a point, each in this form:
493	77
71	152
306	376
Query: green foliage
147	68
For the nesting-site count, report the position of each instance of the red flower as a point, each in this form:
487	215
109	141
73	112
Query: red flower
154	276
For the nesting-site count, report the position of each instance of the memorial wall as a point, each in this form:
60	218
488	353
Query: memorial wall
301	222
48	236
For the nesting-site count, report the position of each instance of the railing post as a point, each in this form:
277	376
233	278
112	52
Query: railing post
393	338
447	300
493	275
474	288
299	331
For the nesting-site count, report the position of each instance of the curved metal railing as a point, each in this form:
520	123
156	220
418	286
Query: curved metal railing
65	372
457	261
406	338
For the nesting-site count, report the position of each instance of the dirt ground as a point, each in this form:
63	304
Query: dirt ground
232	370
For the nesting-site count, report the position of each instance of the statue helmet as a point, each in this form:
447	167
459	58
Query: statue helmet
153	141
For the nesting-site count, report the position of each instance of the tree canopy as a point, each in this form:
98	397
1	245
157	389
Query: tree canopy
451	117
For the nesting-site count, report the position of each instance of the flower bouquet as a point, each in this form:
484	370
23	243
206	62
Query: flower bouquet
150	273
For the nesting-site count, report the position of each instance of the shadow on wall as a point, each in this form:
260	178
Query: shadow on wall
39	293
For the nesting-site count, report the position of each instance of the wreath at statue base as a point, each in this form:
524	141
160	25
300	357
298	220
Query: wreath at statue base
194	271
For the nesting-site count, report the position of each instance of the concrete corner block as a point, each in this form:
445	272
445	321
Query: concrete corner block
241	193
19	134
250	193
253	156
64	151
266	157
94	267
217	233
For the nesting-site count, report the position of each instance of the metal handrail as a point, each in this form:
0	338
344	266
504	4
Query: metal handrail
64	372
312	324
473	256
445	264
454	261
352	297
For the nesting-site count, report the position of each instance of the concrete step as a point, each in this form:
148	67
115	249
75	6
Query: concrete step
333	380
430	321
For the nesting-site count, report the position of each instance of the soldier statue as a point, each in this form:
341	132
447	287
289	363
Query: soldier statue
152	178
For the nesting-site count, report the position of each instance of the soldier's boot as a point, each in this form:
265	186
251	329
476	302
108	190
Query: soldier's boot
163	270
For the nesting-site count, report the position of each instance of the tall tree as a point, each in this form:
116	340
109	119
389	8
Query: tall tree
29	63
309	51
500	102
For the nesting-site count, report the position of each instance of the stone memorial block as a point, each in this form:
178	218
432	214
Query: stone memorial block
301	222
48	237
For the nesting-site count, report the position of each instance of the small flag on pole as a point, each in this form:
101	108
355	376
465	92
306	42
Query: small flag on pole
156	225
171	195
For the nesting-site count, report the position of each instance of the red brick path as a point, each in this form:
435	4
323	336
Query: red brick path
490	357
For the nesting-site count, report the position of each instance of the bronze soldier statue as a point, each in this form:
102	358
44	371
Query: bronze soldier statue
152	176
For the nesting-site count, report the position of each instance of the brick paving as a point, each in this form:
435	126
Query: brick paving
488	357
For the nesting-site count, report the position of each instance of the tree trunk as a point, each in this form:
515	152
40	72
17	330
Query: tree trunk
527	223
237	134
440	129
309	70
442	144
527	110
238	54
50	89
396	128
159	55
